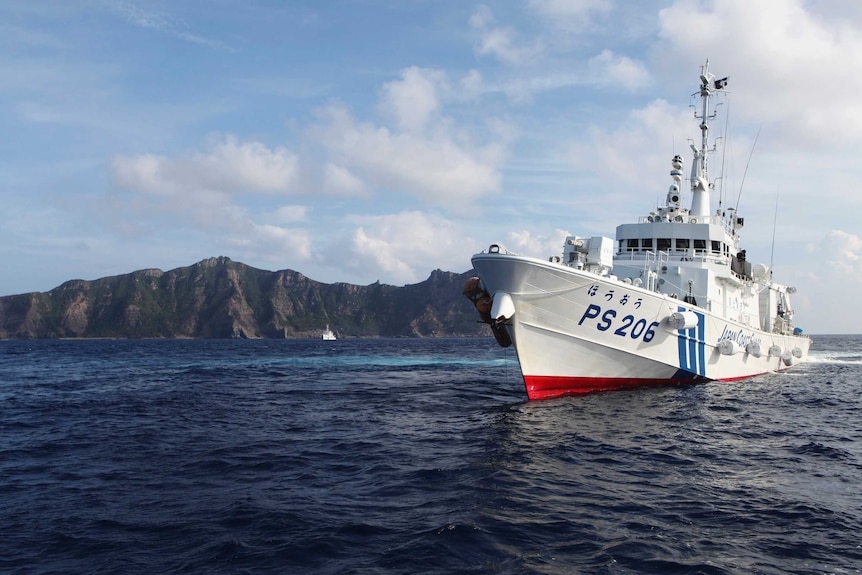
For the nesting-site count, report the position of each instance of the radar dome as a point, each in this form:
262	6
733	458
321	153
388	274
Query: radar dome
759	271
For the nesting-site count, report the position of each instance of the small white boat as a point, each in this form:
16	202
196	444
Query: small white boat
328	335
673	299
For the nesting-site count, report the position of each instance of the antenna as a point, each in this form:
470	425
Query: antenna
774	225
724	154
746	166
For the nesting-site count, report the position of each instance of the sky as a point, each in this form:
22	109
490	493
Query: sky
379	140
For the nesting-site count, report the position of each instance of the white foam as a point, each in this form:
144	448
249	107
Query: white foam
836	357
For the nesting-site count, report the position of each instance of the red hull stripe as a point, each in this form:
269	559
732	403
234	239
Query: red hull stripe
547	386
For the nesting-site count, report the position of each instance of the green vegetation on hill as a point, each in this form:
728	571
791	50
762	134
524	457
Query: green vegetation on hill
220	298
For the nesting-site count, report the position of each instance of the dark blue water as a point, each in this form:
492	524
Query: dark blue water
415	456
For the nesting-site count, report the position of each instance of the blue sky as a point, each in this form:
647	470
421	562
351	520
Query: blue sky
359	141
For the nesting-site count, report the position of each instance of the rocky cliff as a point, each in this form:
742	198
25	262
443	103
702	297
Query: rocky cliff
220	298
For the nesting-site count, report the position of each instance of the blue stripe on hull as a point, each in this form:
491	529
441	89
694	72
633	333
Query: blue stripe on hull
691	344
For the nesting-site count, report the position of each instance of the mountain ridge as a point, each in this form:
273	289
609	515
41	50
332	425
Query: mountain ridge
218	298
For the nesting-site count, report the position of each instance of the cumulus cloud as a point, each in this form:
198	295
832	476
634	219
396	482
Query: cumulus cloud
267	242
400	246
788	65
339	181
829	283
643	144
611	68
230	167
415	152
208	191
443	167
471	86
289	214
842	252
537	245
547	49
412	99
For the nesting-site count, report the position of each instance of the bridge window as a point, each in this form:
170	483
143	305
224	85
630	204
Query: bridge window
716	247
681	244
646	243
632	245
663	244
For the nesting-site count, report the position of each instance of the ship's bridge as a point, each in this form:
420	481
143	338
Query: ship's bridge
696	261
709	240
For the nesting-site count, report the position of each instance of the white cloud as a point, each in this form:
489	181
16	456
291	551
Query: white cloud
339	181
788	66
289	214
829	281
421	152
570	13
402	247
842	252
424	155
160	22
538	246
643	144
250	166
471	85
143	172
138	16
570	8
482	18
230	167
547	50
612	68
272	243
502	42
443	168
209	192
412	100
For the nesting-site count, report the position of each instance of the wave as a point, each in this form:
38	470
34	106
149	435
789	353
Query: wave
836	357
281	366
415	456
372	361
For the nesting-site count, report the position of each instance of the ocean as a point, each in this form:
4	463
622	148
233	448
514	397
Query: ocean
415	456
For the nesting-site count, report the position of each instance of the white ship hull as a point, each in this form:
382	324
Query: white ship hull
576	332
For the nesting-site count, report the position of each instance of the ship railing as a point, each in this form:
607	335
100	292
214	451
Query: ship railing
726	221
653	260
696	255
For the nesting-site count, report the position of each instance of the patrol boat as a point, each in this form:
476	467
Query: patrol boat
672	300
